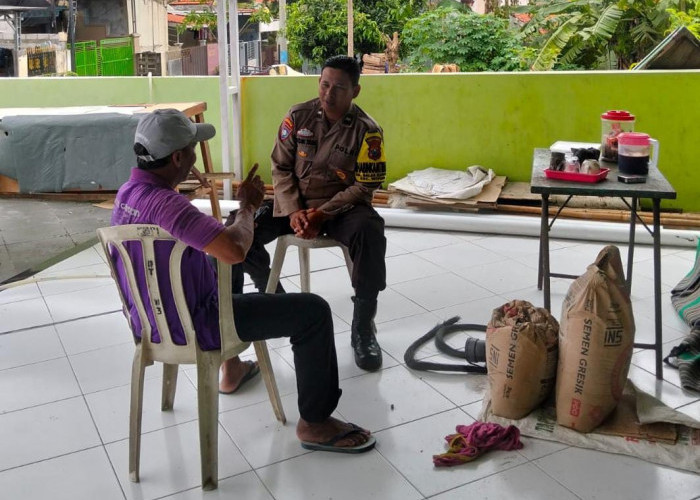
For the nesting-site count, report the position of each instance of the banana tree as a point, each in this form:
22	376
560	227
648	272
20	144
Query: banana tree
582	33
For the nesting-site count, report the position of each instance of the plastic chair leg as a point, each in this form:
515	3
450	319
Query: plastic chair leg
169	386
304	270
276	268
269	377
208	407
138	369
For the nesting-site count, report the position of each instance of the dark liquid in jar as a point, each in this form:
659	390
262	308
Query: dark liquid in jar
634	165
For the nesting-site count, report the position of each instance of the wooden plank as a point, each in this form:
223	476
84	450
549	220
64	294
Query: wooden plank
8	185
516	192
190	109
94	196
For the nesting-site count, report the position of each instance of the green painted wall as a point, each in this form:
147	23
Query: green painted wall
454	120
440	120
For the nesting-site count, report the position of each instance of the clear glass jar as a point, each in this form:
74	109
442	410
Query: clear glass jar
571	163
613	123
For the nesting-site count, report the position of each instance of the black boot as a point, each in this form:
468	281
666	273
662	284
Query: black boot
368	355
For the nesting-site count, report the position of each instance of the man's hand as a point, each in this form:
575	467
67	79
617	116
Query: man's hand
298	221
314	221
252	190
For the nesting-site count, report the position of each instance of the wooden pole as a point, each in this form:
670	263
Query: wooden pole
351	48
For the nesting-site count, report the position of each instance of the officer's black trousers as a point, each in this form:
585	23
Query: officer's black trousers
360	229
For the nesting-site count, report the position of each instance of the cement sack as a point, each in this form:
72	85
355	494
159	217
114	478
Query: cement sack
521	359
596	337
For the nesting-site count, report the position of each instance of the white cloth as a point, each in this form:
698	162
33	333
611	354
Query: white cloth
445	184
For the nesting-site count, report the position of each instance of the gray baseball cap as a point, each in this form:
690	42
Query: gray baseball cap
164	131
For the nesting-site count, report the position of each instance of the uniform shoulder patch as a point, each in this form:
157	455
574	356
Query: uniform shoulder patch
286	128
371	163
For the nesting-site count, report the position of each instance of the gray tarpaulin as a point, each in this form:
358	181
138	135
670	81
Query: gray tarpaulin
68	152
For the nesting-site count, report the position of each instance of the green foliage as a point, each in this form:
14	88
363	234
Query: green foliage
690	19
585	33
390	15
318	29
196	20
473	42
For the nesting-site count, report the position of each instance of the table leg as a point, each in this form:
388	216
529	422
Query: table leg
208	168
543	274
630	248
657	287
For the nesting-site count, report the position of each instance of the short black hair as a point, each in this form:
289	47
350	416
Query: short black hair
348	64
142	164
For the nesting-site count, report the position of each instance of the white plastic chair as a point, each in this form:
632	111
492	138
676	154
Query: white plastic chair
171	354
287	240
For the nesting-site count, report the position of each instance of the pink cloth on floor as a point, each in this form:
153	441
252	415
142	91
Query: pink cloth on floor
472	441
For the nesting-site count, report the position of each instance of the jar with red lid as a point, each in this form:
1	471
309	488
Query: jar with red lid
637	152
614	123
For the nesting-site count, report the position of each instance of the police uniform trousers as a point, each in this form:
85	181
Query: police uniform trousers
360	229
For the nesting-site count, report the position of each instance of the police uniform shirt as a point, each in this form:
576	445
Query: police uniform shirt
328	167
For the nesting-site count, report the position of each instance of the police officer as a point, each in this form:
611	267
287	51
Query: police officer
327	161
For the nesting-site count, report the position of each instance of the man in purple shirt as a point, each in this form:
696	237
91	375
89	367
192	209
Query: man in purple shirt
164	144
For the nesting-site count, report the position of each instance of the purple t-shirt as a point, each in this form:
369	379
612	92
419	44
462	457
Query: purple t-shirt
148	199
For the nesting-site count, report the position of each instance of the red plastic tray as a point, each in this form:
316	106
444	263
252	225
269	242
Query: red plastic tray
576	176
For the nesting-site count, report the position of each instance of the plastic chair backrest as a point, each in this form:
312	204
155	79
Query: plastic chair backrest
135	245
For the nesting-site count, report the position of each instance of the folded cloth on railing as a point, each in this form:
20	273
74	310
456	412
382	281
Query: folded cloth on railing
445	184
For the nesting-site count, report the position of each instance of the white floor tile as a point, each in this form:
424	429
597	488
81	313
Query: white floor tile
524	482
24	314
459	387
408	267
170	461
391	305
692	410
414	240
36	384
410	448
500	277
477	311
254	390
45	431
669	394
646	359
389	397
512	246
441	290
83	303
592	474
107	367
261	438
111	408
95	332
245	486
20	292
396	336
72	280
324	475
88	257
461	255
49	431
85	475
29	346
